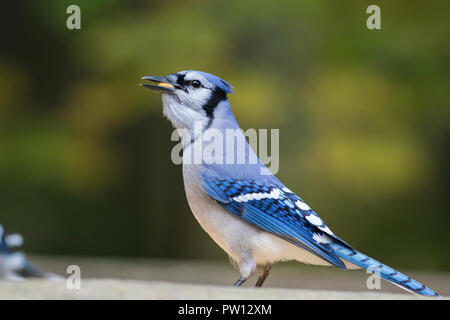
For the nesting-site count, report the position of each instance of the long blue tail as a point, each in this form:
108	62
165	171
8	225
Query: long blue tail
385	272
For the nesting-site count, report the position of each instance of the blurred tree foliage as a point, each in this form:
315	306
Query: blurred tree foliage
363	115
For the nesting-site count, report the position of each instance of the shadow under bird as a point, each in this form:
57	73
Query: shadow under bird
246	210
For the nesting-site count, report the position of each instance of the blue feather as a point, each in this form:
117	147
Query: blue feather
385	271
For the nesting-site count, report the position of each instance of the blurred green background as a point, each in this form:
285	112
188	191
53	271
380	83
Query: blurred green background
363	115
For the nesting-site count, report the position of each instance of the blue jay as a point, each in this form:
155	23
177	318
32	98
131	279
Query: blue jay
13	264
247	211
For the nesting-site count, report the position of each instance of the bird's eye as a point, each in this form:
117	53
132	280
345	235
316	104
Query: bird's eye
196	84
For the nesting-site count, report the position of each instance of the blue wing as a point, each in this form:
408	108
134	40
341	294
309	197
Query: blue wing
277	210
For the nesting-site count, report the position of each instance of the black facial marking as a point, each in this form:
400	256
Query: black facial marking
217	96
181	80
182	83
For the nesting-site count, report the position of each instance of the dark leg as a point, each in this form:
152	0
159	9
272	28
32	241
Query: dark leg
263	273
240	281
246	265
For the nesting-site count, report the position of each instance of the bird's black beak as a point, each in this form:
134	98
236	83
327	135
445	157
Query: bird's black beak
162	85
